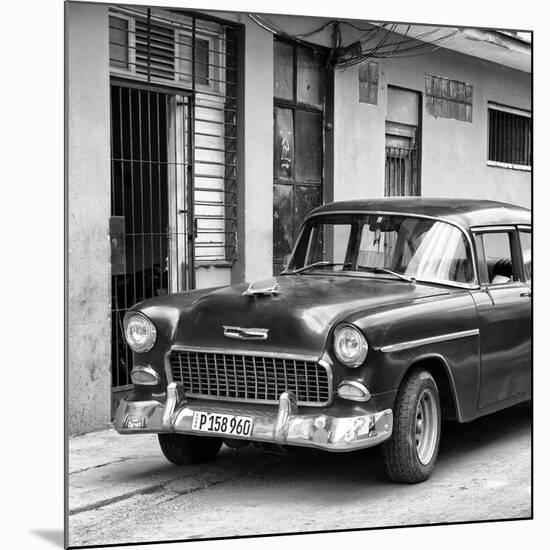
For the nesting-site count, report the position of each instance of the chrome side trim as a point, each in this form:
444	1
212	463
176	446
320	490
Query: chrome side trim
432	340
492	228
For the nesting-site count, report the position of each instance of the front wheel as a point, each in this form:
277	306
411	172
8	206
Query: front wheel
411	451
189	449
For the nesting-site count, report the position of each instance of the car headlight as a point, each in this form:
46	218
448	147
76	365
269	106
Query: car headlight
350	345
140	333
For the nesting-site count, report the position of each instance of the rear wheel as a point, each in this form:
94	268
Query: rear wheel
189	449
411	451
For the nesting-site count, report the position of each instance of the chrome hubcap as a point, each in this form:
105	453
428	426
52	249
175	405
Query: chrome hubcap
426	426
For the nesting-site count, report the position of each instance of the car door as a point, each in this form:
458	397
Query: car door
504	309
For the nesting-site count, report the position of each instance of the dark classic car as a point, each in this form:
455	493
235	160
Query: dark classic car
392	315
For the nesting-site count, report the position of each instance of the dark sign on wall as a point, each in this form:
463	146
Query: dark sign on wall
368	82
448	98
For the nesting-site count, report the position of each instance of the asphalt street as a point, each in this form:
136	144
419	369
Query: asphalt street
122	489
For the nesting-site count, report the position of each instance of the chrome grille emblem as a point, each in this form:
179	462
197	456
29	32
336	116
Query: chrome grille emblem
240	333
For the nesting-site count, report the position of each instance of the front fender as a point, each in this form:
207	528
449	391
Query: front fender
165	312
427	327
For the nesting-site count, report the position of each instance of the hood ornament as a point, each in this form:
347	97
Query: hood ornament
239	333
268	287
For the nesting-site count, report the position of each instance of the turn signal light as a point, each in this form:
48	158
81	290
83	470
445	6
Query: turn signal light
145	376
353	391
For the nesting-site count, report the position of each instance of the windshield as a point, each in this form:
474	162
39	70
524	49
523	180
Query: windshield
384	246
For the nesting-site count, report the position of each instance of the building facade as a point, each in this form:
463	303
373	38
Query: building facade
197	143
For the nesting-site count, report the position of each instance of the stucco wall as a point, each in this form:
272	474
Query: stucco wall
454	153
88	195
256	148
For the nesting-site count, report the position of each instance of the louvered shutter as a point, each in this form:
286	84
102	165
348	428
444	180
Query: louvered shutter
155	50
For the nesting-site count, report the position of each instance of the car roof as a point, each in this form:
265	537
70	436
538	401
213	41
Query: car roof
465	212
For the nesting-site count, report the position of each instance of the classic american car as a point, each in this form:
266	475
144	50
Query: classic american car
392	315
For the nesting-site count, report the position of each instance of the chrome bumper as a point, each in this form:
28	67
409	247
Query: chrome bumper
283	427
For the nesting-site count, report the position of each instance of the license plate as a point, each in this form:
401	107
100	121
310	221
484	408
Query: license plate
217	423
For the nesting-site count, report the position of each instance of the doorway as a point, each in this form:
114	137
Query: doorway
174	112
151	252
402	177
299	89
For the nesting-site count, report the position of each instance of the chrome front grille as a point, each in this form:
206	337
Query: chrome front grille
247	377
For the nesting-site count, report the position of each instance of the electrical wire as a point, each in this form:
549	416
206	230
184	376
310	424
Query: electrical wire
342	57
273	29
317	31
420	49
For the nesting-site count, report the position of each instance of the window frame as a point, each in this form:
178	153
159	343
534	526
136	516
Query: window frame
216	53
206	31
525	229
515	111
515	250
131	70
299	250
295	106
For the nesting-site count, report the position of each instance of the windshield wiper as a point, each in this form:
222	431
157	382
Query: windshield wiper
317	264
395	273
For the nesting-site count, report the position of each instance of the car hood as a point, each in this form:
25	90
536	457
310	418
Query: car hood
298	315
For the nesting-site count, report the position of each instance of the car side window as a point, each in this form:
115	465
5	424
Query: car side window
525	242
499	258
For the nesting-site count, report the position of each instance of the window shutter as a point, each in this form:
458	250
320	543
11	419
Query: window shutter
155	50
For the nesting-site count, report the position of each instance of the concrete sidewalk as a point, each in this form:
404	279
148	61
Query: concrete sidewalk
106	467
122	489
103	468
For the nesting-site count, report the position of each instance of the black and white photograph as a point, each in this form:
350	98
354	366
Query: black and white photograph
297	280
299	273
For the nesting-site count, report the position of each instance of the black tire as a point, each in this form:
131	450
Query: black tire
409	455
189	449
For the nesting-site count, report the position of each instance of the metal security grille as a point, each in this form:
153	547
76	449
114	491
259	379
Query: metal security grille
150	255
173	156
510	137
402	142
250	377
401	172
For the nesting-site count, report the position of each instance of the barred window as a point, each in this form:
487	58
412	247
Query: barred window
448	98
163	49
510	137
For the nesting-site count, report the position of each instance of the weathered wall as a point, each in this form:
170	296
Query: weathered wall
454	153
256	153
88	194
